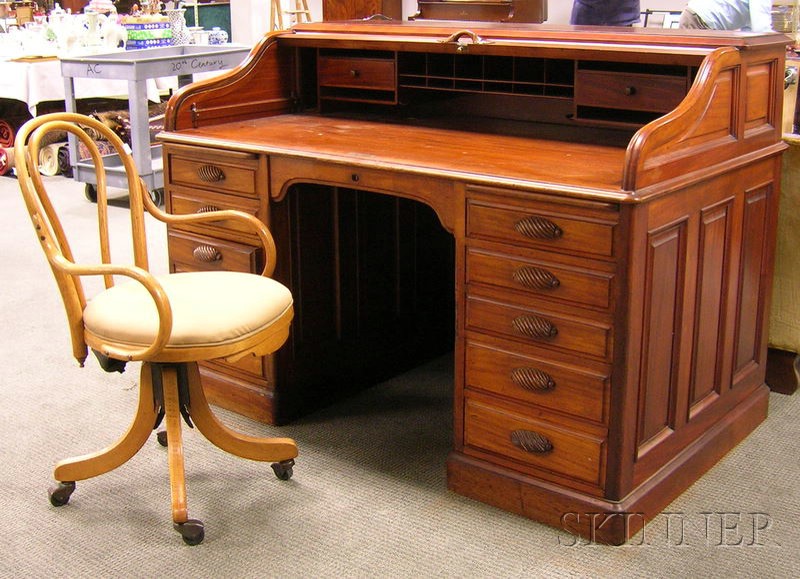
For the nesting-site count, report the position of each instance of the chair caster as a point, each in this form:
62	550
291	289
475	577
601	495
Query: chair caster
283	469
161	437
192	531
59	495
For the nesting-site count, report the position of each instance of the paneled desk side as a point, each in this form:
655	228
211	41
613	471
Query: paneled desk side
609	254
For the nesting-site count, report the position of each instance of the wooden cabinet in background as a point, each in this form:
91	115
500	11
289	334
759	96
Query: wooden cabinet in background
359	9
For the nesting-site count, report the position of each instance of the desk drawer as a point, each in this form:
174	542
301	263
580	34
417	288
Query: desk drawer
237	175
542	381
547	230
355	72
285	170
629	91
199	253
540	327
195	201
533	443
552	281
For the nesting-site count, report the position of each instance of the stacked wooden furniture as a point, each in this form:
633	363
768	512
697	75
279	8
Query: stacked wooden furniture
587	217
483	10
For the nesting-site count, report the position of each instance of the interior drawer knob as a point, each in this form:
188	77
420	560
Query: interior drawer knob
533	379
537	227
531	441
535	327
207	209
535	278
210	174
630	90
206	253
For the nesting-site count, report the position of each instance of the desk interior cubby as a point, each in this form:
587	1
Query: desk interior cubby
409	84
487	74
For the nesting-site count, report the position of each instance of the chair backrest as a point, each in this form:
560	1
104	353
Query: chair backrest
49	229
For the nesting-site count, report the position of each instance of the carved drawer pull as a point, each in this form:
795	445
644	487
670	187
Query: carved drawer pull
210	174
538	228
535	327
533	379
531	441
206	253
535	278
207	209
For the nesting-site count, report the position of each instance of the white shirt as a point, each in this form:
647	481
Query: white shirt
752	15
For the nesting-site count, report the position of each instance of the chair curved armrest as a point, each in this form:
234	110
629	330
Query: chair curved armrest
258	227
152	286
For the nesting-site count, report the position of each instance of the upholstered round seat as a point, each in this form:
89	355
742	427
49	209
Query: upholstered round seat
209	309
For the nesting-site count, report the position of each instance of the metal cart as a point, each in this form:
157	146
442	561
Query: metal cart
137	66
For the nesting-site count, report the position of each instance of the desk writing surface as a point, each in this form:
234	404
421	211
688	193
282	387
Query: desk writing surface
443	152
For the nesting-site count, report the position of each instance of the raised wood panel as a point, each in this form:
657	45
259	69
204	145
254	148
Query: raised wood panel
749	326
663	282
712	269
759	110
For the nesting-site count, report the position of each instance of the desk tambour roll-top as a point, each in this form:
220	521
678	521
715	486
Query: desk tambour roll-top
585	217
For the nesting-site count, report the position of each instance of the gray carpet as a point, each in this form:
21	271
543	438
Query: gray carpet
368	497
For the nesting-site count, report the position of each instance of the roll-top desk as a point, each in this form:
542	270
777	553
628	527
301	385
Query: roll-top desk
585	217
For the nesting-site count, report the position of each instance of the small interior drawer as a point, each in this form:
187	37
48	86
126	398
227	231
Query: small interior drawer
355	72
629	91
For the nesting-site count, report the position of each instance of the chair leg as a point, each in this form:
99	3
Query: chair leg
254	448
191	529
103	461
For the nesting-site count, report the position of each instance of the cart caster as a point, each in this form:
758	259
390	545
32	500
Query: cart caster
157	195
161	437
192	531
59	495
283	469
91	192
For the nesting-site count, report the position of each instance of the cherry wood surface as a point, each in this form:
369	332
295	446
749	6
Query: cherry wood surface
585	216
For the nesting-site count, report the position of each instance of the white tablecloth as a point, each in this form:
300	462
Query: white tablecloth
37	81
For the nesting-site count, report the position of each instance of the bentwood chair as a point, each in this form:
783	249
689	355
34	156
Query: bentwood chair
167	322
